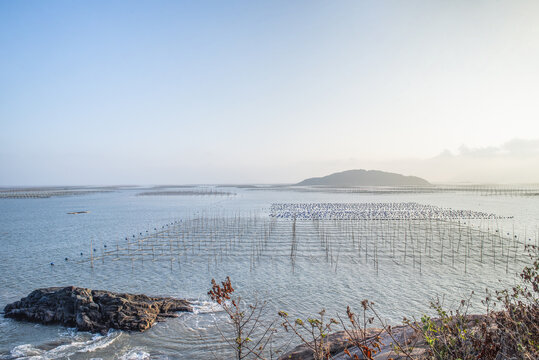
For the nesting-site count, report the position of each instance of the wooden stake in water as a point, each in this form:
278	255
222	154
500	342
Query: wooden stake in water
91	254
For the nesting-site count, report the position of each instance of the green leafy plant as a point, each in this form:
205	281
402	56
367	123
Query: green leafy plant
451	335
312	332
509	329
518	321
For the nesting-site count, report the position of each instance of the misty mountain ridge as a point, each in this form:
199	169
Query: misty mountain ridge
363	177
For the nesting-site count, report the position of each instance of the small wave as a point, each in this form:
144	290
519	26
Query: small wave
205	307
135	354
25	351
100	342
69	344
69	332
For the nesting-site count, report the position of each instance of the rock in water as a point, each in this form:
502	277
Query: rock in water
94	310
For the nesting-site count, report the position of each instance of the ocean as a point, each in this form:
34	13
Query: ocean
173	244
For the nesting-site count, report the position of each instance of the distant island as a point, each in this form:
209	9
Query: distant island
362	177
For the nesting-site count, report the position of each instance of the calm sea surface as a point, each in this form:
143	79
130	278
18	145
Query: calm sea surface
36	232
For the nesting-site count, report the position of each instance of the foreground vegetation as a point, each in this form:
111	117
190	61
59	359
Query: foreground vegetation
508	330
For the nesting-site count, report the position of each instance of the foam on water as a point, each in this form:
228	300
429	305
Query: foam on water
205	307
25	351
203	317
75	342
135	354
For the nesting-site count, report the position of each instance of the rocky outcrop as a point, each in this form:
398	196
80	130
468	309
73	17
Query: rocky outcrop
337	342
94	310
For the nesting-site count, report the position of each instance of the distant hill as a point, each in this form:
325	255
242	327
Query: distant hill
364	178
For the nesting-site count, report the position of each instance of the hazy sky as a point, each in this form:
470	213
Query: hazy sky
108	92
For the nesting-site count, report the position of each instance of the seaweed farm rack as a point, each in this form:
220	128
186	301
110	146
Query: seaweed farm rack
333	234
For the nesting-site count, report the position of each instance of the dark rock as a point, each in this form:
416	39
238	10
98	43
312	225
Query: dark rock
94	310
336	342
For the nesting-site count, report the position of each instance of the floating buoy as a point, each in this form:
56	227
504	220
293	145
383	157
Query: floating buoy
52	264
66	259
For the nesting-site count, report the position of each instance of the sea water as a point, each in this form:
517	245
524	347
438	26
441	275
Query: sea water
37	232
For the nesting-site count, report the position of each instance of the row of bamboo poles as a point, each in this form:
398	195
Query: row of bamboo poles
420	244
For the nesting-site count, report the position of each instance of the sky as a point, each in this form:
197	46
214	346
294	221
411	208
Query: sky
182	92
